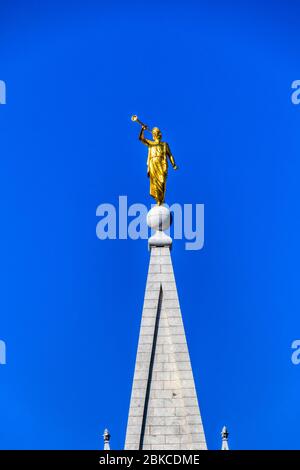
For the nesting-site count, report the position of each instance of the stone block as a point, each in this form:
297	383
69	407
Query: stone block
165	261
168	348
175	439
179	348
171	385
136	411
186	374
172	312
154	268
183	365
158	367
138	393
165	430
175	321
141	374
170	303
140	384
146	339
154	439
170	366
170	294
148	321
132	439
151	295
182	357
167	268
191	410
143	357
141	366
159	348
167	286
145	347
161	376
154	286
180	411
166	394
150	312
150	303
155	251
156	421
133	430
170	411
155	385
179	339
154	278
156	402
191	402
188	393
134	421
173	420
162	340
161	357
176	331
187	383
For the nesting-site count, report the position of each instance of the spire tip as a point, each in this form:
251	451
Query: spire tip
106	437
225	434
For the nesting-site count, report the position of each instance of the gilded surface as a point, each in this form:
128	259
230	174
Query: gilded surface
157	164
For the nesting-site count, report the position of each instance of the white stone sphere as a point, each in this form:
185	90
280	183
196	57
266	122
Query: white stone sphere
159	218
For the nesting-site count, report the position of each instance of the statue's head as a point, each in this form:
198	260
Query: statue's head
156	134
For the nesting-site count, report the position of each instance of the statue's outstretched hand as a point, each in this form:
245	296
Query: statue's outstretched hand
175	167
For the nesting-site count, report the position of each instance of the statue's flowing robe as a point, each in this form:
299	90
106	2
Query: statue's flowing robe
157	165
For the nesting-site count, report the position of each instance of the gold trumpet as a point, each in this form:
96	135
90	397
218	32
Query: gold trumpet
134	118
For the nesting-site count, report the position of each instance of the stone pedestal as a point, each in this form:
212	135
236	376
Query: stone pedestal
164	412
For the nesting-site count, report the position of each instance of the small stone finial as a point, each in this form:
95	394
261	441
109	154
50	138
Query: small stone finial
225	435
106	437
159	219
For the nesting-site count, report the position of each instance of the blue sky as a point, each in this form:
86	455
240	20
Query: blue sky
216	78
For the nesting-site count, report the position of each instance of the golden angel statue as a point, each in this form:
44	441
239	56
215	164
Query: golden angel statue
157	164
